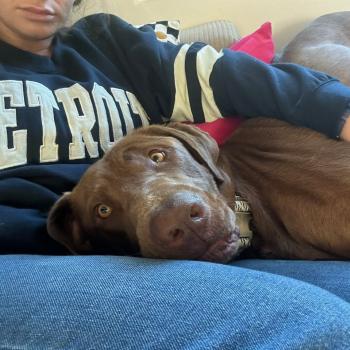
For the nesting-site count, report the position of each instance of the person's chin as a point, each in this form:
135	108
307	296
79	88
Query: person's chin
39	31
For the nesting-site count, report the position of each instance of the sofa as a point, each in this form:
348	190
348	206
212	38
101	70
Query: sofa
120	302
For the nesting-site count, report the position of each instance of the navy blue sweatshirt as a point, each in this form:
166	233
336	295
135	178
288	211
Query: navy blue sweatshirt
105	77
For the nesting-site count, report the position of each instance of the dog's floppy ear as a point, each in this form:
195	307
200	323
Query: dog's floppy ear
63	226
202	147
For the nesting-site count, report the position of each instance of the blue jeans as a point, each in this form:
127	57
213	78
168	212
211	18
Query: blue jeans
95	302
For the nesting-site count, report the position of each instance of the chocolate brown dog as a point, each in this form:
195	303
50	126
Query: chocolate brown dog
168	192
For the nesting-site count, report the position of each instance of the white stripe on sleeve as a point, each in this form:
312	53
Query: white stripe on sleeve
206	58
182	108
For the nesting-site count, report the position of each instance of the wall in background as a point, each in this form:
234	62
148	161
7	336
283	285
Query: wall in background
287	16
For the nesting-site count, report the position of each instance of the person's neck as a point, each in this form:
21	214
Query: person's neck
42	48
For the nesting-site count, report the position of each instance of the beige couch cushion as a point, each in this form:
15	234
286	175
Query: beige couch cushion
219	34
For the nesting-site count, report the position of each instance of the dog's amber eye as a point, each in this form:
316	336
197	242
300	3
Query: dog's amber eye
157	156
104	211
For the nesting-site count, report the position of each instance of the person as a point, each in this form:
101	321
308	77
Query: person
67	94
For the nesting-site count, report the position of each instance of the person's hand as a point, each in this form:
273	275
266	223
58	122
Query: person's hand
345	133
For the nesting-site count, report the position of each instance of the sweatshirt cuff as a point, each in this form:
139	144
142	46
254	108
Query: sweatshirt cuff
326	109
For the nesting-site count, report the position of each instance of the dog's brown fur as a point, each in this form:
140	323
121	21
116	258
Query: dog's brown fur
296	181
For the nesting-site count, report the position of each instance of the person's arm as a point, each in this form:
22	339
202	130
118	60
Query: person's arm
288	92
209	85
345	132
196	83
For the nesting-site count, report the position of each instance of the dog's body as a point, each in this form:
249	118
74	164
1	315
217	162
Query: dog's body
297	183
169	193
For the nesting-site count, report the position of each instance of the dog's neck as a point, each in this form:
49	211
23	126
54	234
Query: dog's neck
241	205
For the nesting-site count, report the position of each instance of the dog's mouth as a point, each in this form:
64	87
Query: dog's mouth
222	250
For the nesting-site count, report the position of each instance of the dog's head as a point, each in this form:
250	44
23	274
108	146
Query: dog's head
160	192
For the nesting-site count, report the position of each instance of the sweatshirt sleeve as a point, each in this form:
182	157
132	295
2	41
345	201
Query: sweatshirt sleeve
289	92
194	82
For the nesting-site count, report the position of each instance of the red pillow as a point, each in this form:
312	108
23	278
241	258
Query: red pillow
260	45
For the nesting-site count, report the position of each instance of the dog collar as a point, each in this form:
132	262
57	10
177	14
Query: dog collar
244	221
